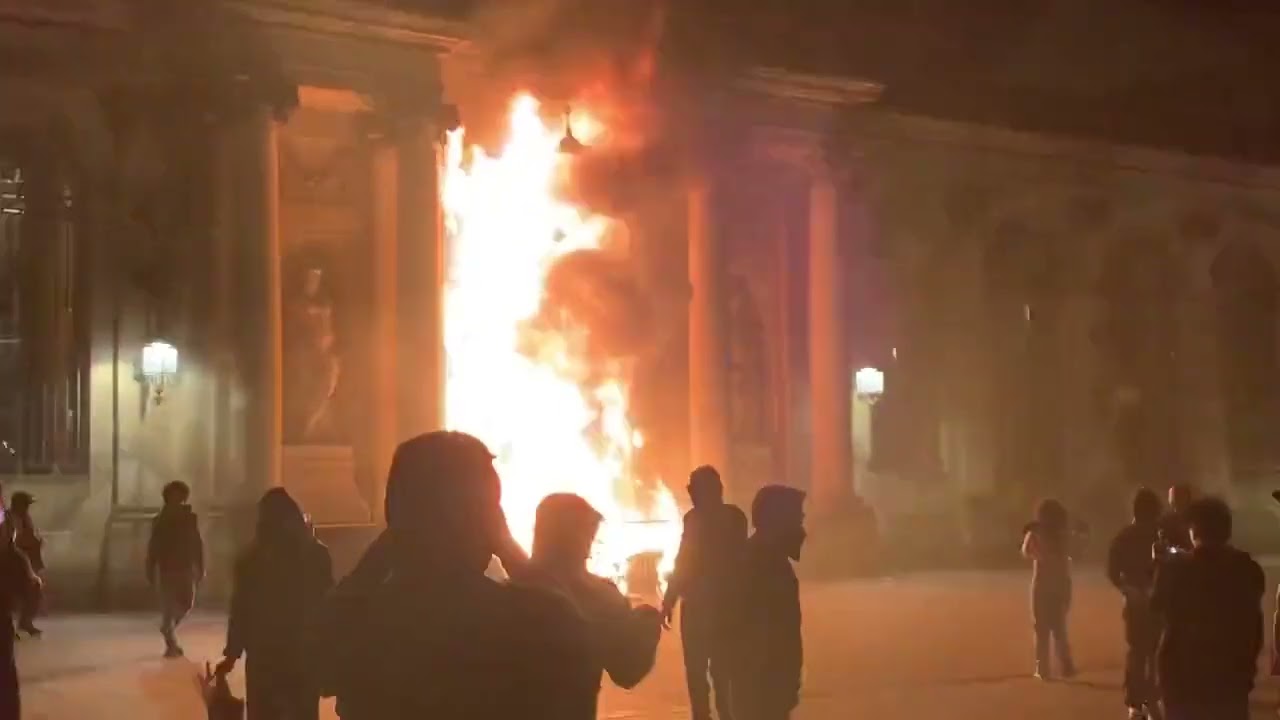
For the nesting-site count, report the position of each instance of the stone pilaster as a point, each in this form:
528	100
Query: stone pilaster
708	349
830	374
420	275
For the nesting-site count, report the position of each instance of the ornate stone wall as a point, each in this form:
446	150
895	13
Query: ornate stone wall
1065	292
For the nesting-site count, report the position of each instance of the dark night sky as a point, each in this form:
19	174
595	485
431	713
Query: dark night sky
1200	75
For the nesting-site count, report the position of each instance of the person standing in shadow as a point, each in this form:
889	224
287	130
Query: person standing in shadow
175	561
419	631
1046	542
17	582
1131	567
626	638
27	538
1209	603
704	580
769	655
280	581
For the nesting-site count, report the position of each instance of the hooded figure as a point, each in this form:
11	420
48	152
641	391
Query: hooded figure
29	542
769	657
704	582
280	581
625	638
418	630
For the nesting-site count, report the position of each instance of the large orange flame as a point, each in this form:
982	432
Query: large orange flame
525	396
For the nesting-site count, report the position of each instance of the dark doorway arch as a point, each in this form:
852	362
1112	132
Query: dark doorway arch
1244	285
1020	308
1136	343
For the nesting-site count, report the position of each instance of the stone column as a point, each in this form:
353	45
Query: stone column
420	362
830	377
263	347
385	211
708	350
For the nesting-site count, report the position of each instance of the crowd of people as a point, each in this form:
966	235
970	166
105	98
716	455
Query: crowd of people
1192	612
420	629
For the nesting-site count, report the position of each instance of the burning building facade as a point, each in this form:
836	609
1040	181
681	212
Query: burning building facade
355	224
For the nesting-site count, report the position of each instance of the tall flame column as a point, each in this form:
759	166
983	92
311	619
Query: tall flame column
831	479
420	364
708	348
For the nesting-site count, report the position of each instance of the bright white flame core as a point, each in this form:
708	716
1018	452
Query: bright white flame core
551	431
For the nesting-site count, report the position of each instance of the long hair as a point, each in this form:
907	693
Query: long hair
1051	519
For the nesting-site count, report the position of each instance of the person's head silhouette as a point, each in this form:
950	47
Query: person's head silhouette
564	529
778	514
443	504
280	520
705	487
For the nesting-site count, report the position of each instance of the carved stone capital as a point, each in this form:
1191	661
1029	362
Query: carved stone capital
397	118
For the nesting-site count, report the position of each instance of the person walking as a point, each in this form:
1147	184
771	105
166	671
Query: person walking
418	630
1131	568
768	653
175	561
1209	604
280	581
1047	544
29	542
703	581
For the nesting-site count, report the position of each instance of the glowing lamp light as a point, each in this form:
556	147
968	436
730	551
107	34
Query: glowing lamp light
158	367
868	383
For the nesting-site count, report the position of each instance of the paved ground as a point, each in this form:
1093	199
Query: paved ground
949	646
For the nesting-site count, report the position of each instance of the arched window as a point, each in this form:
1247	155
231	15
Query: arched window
1020	308
1244	284
1136	340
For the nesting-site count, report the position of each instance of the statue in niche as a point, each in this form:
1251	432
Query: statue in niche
312	360
748	368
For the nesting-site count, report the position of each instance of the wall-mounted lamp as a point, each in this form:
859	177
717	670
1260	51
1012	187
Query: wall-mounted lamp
158	368
868	383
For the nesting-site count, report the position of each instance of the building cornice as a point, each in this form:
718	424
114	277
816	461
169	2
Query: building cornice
822	90
882	126
353	19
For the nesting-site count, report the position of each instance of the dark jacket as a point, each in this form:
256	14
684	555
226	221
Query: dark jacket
176	549
769	653
278	590
625	638
1130	564
28	540
1210	605
709	555
393	649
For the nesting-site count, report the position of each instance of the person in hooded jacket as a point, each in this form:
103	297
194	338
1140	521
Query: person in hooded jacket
626	638
175	561
280	581
769	655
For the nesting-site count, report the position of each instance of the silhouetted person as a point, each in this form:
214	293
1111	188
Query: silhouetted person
419	631
28	541
1175	534
1131	567
768	651
1047	543
280	581
175	561
17	582
625	639
1209	602
703	579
